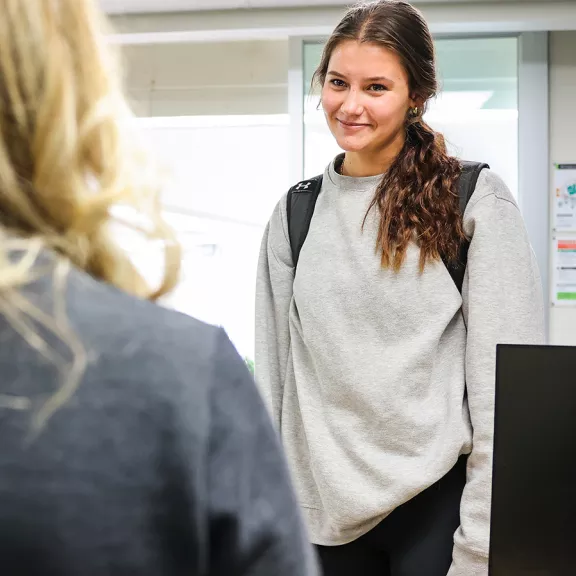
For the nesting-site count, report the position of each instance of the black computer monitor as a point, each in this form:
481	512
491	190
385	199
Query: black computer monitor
533	526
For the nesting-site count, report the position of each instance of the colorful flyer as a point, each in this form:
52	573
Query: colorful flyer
565	197
565	271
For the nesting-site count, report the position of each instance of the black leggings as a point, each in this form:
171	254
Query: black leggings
414	540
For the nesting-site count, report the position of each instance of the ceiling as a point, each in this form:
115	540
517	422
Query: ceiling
144	6
147	6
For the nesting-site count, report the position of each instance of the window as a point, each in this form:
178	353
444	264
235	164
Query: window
476	109
216	115
227	174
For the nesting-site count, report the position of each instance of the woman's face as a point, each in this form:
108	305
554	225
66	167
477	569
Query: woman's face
366	97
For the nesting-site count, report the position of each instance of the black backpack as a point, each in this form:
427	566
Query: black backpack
302	198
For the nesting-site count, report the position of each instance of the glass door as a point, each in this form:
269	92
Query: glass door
476	108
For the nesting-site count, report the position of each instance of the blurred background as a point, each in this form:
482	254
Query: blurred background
221	89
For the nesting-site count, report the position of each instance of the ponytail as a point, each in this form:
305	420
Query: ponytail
418	200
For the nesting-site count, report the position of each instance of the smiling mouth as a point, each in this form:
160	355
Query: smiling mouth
351	124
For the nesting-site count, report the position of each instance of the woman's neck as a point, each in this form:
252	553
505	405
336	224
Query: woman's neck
363	164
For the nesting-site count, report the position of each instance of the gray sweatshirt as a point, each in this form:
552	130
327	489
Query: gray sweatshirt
364	370
164	462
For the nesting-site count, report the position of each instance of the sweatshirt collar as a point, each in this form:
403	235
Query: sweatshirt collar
348	182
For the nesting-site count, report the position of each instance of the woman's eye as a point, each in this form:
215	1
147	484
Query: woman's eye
338	83
377	88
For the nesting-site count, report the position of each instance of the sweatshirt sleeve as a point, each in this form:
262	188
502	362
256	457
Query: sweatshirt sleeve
273	299
255	523
502	304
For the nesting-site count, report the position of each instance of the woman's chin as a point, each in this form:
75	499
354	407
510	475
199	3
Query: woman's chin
351	146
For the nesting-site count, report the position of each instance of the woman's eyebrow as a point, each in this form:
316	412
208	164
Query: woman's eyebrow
371	79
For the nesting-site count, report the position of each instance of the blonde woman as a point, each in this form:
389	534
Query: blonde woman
133	439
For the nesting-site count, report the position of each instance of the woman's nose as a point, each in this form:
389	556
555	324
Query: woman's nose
352	105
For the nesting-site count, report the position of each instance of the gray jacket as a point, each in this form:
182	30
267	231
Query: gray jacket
164	462
364	370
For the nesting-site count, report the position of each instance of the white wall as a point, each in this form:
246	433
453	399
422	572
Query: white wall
562	150
220	78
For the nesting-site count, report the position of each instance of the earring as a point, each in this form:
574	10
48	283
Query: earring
414	111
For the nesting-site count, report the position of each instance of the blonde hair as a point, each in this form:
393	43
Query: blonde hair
68	158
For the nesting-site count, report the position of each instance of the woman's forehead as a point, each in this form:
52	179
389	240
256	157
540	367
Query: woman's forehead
366	61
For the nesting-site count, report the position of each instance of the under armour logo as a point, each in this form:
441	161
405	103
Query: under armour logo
303	186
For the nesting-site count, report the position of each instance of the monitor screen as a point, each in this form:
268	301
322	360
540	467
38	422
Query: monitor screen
533	526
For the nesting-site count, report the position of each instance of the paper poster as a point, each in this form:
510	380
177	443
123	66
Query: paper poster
565	197
565	271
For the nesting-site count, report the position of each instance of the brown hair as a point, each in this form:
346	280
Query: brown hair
418	196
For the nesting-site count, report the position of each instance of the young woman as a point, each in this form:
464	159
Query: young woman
379	373
133	439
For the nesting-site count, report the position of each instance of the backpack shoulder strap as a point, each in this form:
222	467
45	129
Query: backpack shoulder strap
300	204
468	180
466	186
301	201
